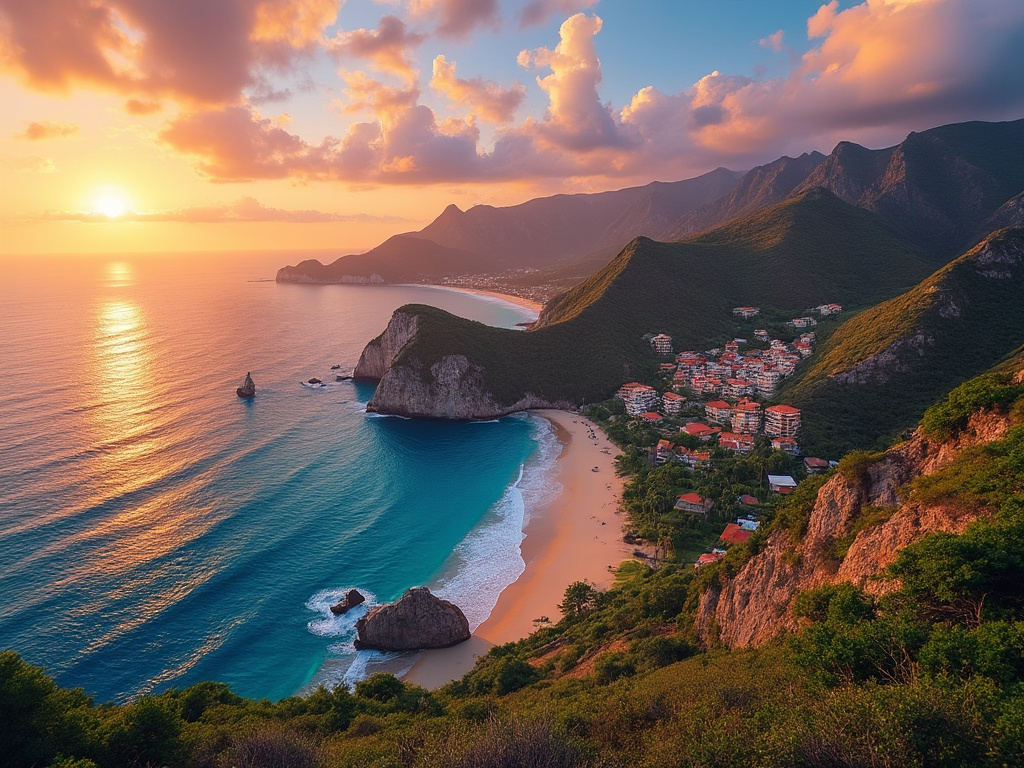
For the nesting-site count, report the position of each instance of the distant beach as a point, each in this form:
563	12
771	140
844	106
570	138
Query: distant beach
575	537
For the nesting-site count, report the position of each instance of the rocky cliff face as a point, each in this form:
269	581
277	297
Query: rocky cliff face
418	620
379	354
751	608
452	388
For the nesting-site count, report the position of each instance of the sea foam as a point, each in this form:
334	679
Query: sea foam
490	557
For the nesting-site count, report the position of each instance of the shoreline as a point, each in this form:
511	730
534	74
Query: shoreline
530	304
575	537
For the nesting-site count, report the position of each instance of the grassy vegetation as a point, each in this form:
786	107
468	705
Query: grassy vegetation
964	319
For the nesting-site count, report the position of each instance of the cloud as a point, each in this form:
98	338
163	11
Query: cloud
773	41
538	12
194	51
48	129
484	98
31	164
575	119
388	47
877	70
244	210
457	18
141	107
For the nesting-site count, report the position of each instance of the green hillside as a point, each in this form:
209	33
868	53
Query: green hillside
878	372
799	253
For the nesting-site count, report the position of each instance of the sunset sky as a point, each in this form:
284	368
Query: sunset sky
151	125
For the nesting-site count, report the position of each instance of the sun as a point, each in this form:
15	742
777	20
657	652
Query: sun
110	205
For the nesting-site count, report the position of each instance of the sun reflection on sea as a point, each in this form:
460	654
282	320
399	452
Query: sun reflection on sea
119	275
123	420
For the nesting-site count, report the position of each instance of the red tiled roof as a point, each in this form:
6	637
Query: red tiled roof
721	404
651	416
749	500
783	409
693	498
700	429
733	534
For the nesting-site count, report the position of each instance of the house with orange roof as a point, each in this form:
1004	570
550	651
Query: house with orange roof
701	431
746	417
782	421
672	403
695	459
718	410
734	534
708	558
736	443
694	502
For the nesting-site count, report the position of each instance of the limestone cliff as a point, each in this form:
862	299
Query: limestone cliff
752	607
449	386
380	353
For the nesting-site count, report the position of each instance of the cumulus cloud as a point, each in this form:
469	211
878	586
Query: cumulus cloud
485	99
388	47
457	18
538	12
190	50
48	129
244	210
576	119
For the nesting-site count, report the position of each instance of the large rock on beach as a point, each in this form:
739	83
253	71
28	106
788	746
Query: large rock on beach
351	599
418	620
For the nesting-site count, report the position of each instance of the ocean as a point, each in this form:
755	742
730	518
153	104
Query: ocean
157	531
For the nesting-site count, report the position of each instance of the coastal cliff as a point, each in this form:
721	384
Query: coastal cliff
859	522
420	374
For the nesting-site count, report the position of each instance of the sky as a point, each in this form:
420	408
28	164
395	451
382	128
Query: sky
149	125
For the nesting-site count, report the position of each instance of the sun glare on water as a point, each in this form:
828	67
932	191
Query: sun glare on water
111	206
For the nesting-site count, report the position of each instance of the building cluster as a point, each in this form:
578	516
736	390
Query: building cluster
730	373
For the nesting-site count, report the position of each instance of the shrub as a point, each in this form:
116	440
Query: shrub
944	420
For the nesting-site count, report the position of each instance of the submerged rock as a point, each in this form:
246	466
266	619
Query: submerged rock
351	600
418	620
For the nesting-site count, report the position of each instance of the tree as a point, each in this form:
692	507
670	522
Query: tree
579	597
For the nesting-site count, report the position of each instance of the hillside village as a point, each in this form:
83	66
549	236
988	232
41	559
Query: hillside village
719	399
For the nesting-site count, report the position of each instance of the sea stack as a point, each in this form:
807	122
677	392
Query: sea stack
248	388
352	598
418	620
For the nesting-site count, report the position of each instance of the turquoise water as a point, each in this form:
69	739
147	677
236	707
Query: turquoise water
156	531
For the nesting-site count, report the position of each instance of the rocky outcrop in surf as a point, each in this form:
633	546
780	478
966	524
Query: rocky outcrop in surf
417	621
352	598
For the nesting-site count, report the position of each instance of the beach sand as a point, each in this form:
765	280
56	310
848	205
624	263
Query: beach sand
576	537
530	304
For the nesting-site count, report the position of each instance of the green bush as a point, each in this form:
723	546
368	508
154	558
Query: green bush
945	419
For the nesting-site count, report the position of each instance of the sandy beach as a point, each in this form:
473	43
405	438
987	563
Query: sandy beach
576	537
530	304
